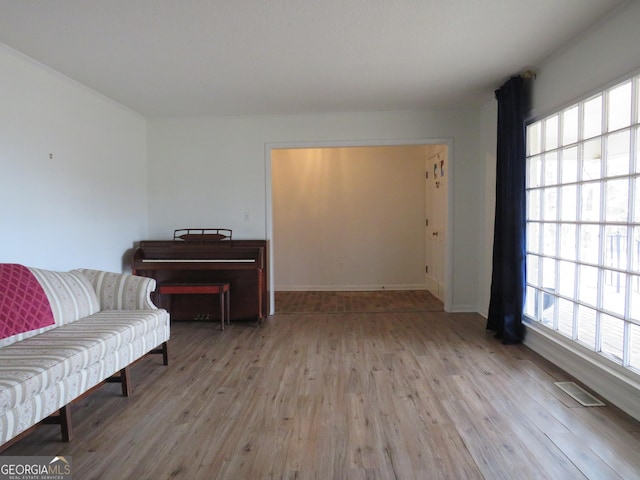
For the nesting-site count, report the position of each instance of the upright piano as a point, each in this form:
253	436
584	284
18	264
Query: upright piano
242	263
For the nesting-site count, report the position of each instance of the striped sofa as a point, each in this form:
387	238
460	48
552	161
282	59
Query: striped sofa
83	327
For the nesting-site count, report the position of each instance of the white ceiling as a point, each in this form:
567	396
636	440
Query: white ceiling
196	57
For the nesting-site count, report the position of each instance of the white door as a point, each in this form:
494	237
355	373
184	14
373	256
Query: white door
430	247
436	218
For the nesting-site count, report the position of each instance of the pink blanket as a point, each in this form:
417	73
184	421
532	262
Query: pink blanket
23	303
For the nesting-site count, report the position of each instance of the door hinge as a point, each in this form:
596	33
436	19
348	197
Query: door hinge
426	222
426	269
426	174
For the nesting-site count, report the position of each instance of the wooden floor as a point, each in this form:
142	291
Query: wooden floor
405	395
362	301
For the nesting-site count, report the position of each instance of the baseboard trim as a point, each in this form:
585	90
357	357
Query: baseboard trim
462	308
609	380
346	288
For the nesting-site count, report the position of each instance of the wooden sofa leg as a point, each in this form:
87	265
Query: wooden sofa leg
62	418
165	353
65	423
164	350
126	384
122	379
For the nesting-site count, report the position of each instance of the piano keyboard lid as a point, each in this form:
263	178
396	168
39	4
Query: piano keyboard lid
195	260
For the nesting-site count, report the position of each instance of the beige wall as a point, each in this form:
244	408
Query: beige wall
348	218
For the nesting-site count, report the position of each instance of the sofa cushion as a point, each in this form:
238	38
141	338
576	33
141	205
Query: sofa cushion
37	363
70	295
24	305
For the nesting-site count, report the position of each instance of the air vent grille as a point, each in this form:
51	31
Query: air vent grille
579	394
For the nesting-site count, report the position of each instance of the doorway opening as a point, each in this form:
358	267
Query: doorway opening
358	217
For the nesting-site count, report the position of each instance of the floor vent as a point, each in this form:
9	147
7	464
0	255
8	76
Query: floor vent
579	394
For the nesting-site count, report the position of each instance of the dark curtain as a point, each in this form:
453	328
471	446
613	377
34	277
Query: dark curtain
509	244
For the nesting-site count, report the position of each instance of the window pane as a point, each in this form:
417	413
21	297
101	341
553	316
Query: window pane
551	133
530	303
544	306
614	291
533	237
590	207
592	160
568	247
534	172
619	106
548	274
569	165
587	326
637	99
568	199
588	286
570	125
566	278
533	270
551	168
634	249
636	202
547	315
534	138
615	246
549	239
638	148
616	200
550	211
612	330
617	162
533	204
589	243
634	307
634	344
565	317
592	125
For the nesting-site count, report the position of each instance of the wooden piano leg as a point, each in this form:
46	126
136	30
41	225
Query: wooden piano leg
225	314
221	297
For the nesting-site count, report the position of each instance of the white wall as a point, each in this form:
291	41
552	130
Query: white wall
349	218
85	206
601	55
210	171
488	146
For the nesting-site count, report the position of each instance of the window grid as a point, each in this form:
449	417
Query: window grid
583	222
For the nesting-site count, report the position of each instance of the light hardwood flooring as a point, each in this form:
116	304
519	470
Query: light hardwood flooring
364	301
404	395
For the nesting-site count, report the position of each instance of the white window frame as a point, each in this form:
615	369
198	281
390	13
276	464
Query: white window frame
628	359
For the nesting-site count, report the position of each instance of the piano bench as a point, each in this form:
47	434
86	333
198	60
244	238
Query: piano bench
184	288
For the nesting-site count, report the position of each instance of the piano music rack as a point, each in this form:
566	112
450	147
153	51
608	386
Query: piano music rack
202	235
